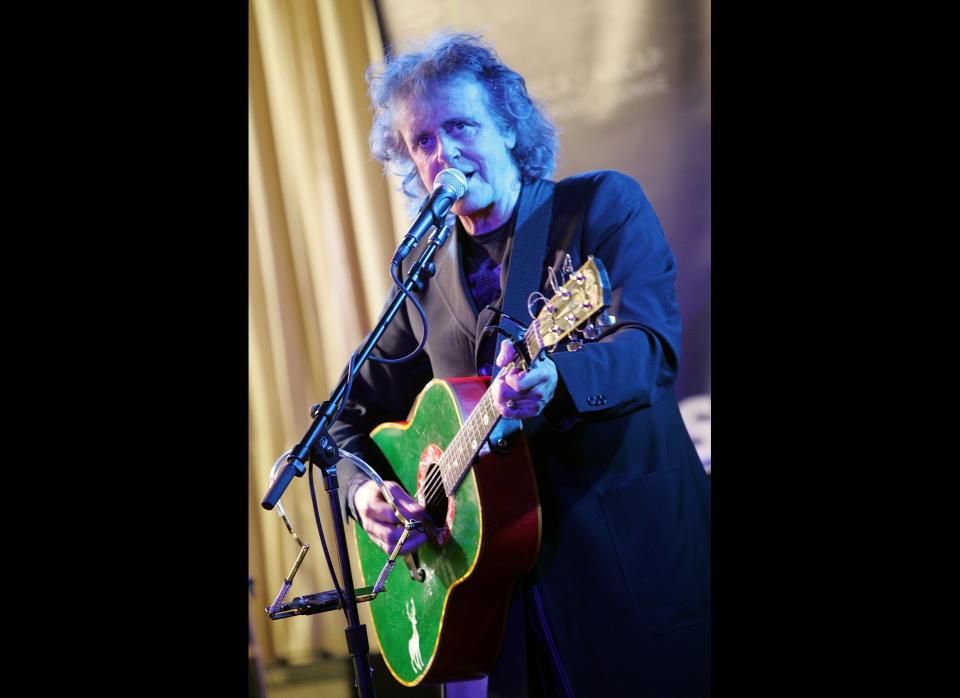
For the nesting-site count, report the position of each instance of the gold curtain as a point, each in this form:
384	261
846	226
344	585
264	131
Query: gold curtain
323	224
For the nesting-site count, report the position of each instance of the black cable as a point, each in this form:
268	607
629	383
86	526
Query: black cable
323	542
423	317
346	392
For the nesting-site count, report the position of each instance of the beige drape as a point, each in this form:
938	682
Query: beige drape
323	225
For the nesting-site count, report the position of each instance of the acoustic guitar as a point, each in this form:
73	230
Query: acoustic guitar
448	626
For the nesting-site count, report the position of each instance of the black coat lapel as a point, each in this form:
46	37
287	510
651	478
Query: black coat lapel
450	285
523	260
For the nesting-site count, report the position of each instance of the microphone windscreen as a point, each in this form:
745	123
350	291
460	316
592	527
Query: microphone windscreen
453	179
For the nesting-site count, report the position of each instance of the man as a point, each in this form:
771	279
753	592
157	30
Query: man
618	602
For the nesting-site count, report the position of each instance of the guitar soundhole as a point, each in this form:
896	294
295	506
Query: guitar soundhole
431	494
437	509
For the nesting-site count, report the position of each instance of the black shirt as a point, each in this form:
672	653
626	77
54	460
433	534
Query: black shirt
482	257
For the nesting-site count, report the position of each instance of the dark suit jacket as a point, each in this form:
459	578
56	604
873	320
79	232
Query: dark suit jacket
624	564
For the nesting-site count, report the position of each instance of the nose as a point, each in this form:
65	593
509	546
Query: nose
447	150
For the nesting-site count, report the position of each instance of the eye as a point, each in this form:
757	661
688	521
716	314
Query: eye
423	142
460	125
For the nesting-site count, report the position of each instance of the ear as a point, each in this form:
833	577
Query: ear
510	138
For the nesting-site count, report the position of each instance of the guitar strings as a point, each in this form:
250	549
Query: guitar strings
433	490
433	486
430	486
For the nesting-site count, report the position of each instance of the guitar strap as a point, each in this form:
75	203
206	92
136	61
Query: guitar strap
529	250
524	271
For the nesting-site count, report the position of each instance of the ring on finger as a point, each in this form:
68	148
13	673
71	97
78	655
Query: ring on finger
511	404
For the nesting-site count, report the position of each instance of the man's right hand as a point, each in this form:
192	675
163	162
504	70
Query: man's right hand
379	521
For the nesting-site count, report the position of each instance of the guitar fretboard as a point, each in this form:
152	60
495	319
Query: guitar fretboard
462	450
459	455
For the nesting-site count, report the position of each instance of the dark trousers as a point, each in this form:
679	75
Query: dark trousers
526	667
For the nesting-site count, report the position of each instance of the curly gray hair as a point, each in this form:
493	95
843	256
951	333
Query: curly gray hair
444	58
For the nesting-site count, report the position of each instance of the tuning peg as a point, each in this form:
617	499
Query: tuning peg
606	319
567	265
590	332
575	345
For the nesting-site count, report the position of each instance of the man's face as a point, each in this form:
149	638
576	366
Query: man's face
453	128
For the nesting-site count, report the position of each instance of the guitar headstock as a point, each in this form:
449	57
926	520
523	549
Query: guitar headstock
583	296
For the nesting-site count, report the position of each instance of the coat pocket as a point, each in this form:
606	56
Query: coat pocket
660	531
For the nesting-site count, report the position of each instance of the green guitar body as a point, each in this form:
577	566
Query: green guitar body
449	627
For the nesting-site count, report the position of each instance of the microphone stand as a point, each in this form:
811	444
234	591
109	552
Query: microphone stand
317	445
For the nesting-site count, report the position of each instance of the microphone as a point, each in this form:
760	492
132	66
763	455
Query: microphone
448	187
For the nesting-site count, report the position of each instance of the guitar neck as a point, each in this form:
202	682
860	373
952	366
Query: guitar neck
460	453
462	450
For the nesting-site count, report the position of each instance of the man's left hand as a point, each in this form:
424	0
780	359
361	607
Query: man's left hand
523	394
